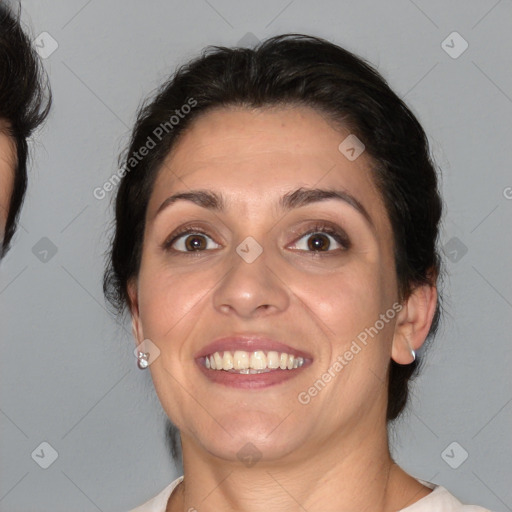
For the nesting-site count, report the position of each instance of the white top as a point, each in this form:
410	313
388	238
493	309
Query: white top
439	500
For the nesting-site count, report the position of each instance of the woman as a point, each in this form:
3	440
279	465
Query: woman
276	246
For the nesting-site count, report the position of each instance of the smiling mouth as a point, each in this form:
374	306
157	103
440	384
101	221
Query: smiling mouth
250	363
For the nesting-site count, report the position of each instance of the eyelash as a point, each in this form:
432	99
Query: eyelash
318	228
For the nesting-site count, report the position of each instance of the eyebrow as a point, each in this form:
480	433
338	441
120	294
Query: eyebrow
296	199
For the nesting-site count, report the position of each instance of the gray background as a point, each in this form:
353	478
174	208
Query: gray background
68	375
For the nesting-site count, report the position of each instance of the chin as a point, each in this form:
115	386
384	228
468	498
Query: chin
251	439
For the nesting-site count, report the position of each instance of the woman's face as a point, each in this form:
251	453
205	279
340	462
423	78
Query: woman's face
273	285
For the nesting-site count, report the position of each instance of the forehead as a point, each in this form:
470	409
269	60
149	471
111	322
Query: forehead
241	134
254	156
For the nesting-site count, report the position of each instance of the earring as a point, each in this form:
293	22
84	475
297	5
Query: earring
142	360
413	353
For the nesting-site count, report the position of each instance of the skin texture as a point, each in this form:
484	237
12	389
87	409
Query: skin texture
331	454
7	163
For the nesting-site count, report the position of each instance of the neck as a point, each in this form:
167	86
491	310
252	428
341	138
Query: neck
352	472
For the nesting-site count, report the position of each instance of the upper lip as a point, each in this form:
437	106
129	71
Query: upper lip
250	343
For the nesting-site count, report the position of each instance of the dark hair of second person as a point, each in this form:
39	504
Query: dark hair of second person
25	100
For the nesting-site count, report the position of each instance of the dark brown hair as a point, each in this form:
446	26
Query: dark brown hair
25	100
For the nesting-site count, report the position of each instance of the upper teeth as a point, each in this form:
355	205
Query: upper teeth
257	360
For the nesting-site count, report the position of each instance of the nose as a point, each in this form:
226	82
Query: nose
251	288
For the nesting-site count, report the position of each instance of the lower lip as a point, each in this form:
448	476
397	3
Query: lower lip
250	381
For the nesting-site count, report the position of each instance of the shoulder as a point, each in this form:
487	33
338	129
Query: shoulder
159	502
441	500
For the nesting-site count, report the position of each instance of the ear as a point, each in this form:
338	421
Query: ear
137	331
413	323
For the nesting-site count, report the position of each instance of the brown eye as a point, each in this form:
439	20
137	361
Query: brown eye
195	243
321	238
318	241
190	240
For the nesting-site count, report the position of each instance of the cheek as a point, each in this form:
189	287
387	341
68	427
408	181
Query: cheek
349	305
169	299
346	300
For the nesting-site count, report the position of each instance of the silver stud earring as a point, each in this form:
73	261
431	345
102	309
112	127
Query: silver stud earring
413	353
142	360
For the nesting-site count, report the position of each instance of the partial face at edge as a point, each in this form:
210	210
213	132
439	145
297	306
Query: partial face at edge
7	165
318	303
